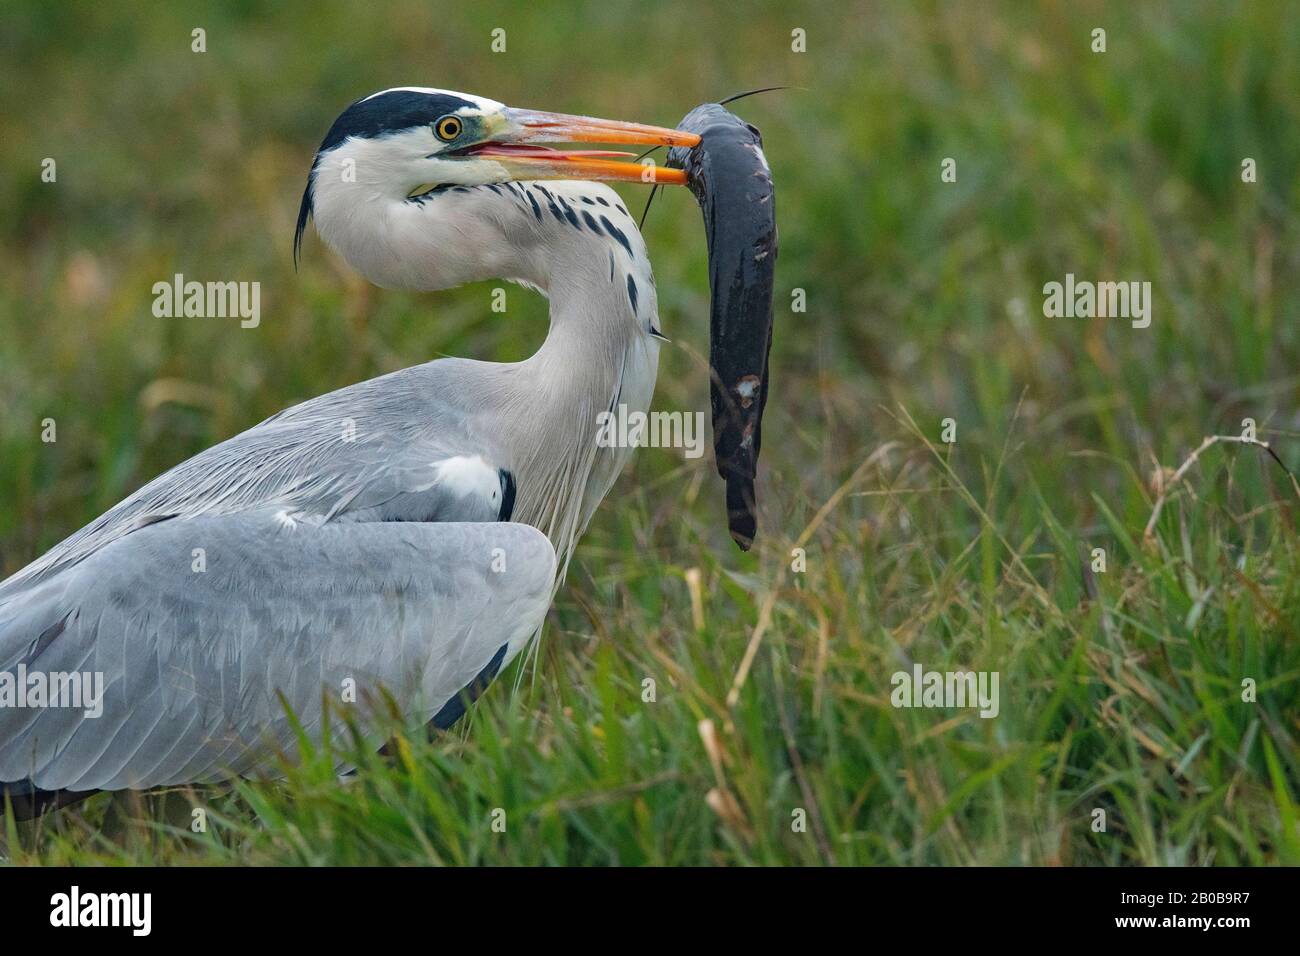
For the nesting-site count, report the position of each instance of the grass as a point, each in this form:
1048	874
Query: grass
1121	690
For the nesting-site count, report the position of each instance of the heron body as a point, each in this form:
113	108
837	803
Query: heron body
405	532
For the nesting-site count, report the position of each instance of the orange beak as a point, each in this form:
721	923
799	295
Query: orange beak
516	148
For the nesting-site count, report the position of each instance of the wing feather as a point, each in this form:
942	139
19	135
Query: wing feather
192	661
356	453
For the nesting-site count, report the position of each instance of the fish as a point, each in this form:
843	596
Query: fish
732	182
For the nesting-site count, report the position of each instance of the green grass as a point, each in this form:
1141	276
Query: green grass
1120	691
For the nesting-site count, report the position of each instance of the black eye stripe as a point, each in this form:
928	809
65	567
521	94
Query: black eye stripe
391	112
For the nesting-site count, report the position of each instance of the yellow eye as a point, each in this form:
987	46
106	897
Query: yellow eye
447	128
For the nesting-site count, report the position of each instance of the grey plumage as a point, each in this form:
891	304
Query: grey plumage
367	535
368	446
332	551
193	662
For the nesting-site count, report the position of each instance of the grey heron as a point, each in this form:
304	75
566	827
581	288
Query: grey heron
406	531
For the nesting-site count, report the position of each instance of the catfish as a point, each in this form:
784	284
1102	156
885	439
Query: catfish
729	176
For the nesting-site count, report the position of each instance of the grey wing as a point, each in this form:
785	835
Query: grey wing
402	447
197	625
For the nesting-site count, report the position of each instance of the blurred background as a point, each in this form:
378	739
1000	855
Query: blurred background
924	302
1111	166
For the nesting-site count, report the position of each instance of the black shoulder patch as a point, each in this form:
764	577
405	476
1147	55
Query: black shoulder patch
507	495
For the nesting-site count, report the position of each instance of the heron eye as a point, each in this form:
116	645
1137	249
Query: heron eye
447	128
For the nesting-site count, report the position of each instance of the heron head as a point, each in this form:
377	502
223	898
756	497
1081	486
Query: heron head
409	141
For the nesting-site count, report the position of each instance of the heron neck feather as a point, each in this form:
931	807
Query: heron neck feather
596	356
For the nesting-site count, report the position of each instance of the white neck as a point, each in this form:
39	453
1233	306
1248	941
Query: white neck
599	352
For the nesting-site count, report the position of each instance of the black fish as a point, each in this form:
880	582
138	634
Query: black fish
732	182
